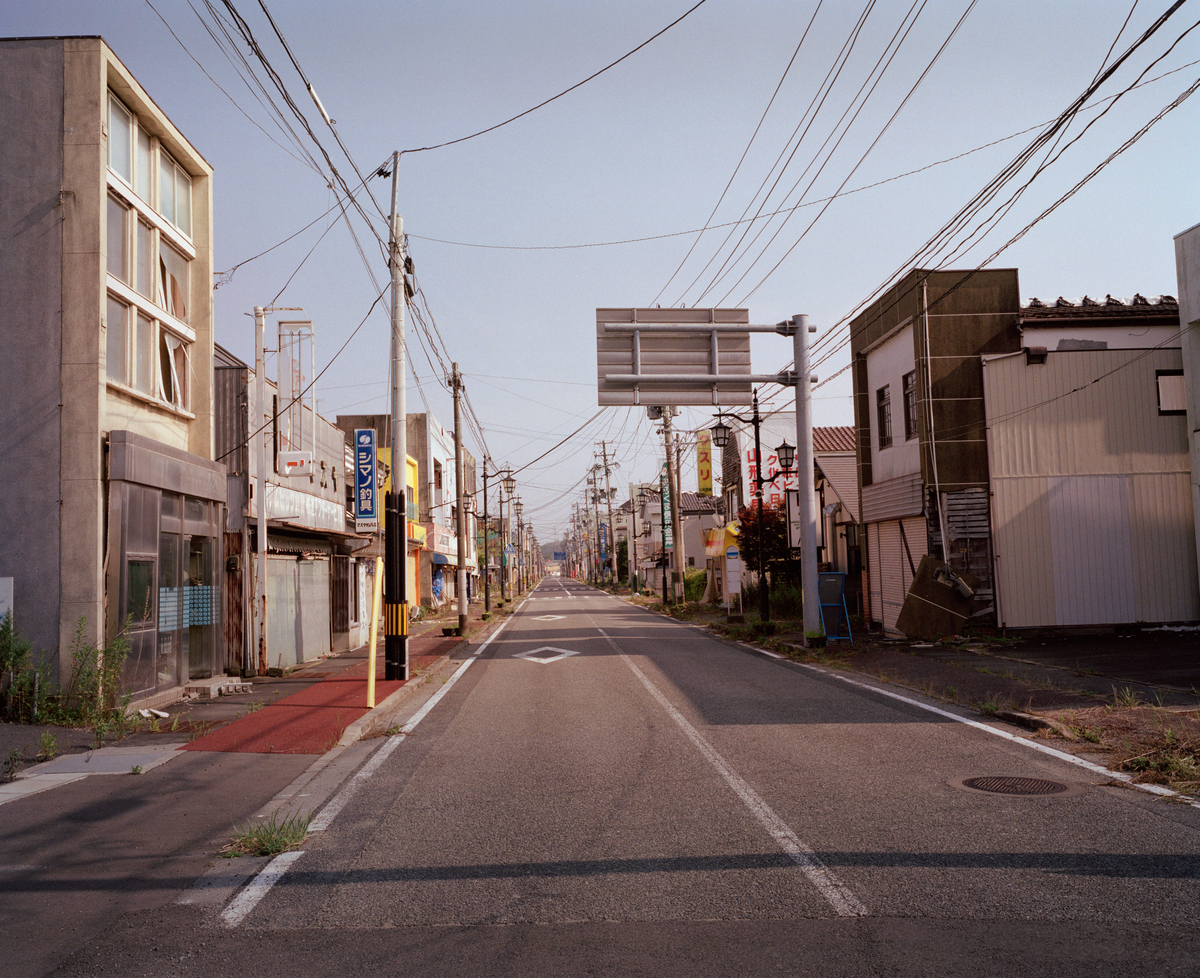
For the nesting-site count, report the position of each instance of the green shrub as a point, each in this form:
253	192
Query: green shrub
24	686
694	583
787	601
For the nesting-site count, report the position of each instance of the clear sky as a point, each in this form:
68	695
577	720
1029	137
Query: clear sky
596	198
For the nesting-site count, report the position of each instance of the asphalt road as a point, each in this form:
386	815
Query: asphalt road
605	791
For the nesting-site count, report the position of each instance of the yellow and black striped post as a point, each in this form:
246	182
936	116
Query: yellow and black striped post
395	613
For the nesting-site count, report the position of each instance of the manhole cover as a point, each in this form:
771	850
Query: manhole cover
1016	786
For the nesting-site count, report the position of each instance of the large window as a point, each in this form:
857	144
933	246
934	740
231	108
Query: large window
910	405
134	155
149	249
174	193
883	413
116	341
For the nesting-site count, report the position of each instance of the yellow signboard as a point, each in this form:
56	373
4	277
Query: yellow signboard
704	466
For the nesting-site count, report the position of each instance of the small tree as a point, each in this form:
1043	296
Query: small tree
774	539
623	560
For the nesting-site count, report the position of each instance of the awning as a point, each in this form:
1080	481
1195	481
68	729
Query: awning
438	558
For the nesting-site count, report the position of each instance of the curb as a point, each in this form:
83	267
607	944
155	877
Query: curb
380	718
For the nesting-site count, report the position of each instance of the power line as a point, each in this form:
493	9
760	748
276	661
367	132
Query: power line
482	132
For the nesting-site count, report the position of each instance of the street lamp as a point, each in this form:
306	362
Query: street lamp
509	484
518	507
787	455
468	506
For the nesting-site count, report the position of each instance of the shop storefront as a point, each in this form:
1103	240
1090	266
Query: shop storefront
165	513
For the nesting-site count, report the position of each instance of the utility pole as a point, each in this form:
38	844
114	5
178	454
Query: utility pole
804	482
612	534
676	529
634	528
264	432
260	414
396	507
459	518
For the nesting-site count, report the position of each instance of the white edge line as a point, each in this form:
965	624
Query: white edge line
1153	789
270	874
826	882
258	888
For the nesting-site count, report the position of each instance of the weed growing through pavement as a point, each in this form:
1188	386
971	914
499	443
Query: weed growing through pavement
270	837
200	729
989	708
136	769
1126	697
91	697
48	749
12	764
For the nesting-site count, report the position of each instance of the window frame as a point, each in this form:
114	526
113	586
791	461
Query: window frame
883	416
909	384
1158	390
149	312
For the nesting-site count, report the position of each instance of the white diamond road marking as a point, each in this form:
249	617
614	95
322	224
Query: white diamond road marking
549	618
545	655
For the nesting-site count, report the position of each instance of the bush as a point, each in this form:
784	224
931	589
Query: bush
93	693
787	601
92	696
24	687
694	583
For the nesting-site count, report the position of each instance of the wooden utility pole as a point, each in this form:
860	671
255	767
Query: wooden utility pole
460	523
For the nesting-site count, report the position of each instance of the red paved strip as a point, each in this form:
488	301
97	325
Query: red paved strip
312	720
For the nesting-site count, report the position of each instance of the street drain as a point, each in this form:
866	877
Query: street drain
1016	786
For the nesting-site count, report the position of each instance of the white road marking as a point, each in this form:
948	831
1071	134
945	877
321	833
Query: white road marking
554	654
269	875
258	888
835	892
1153	789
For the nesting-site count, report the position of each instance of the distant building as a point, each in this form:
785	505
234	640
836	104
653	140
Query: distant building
111	501
835	488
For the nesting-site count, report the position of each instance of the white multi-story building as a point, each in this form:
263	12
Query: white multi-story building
111	503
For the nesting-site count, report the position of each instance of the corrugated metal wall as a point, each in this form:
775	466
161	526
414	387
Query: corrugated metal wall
890	572
1092	509
297	610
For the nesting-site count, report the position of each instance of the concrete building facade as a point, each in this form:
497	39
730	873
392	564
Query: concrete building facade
111	503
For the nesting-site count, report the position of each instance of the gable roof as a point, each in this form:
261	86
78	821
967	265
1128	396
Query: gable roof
838	438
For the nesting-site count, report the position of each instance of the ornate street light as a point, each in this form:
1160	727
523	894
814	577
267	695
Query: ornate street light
787	455
720	433
518	506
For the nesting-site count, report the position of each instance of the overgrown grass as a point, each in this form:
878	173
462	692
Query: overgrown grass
270	837
91	697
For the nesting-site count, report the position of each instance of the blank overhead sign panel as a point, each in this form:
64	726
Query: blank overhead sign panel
673	356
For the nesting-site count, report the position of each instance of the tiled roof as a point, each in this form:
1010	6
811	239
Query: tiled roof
838	438
1110	307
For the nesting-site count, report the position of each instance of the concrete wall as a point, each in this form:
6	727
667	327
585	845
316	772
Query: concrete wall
31	145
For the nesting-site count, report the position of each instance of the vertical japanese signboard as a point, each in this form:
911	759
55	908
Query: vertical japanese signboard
704	468
366	486
664	486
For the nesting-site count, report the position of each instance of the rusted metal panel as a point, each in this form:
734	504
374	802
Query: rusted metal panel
904	496
233	603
